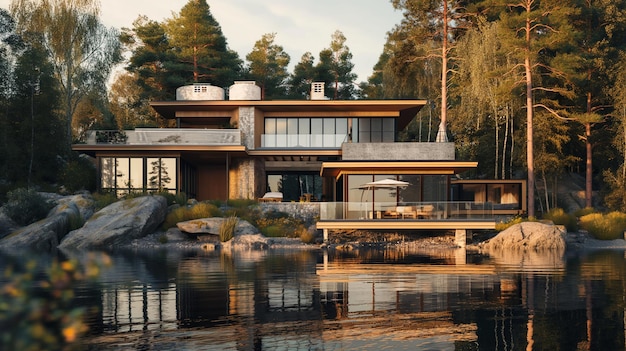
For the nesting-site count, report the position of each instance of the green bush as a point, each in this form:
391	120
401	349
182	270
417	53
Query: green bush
559	217
605	227
273	231
187	213
227	228
78	174
26	206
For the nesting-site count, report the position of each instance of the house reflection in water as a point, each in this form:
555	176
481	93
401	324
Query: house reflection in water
309	300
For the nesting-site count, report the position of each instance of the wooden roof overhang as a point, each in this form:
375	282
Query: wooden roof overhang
404	110
337	169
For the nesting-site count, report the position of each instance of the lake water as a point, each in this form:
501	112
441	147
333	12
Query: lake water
359	300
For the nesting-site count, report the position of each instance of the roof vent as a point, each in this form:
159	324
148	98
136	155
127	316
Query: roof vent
317	91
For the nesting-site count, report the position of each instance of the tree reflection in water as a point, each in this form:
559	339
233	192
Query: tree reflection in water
445	300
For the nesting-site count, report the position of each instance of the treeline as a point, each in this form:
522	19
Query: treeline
527	88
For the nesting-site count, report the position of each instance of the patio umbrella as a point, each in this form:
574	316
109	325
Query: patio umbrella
382	184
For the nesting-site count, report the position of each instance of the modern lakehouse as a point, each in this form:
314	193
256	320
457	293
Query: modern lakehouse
341	155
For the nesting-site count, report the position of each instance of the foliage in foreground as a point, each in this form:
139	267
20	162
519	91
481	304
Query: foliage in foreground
26	206
36	311
608	226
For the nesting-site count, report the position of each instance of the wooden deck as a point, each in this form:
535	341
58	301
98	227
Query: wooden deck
403	224
460	226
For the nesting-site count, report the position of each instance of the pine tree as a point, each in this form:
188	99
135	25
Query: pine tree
202	54
268	67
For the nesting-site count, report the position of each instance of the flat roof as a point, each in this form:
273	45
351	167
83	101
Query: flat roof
406	109
338	168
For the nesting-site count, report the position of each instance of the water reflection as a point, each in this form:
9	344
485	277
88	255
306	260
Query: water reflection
367	300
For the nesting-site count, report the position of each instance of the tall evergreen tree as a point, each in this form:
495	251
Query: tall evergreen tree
200	47
337	60
304	74
436	22
533	30
268	67
152	59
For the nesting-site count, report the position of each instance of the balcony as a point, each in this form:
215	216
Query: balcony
312	141
437	210
164	136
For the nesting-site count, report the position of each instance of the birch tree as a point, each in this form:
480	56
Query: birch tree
81	49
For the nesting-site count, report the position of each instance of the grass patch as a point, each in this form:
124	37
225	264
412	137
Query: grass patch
227	228
604	226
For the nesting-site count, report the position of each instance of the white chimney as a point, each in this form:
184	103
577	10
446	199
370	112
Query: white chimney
199	91
317	91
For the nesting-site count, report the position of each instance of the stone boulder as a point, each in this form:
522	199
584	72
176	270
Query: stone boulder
529	236
212	226
69	213
119	224
529	246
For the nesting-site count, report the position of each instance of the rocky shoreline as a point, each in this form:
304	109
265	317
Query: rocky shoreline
134	224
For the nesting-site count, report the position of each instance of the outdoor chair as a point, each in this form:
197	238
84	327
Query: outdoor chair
425	211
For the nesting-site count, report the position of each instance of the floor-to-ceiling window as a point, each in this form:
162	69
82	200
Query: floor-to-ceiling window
122	175
305	132
373	130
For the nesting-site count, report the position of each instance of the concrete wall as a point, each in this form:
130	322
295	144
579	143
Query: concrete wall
398	151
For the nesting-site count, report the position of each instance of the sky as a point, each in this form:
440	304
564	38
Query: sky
300	26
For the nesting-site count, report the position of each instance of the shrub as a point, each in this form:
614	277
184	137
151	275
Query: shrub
584	211
306	236
559	217
227	228
186	213
103	200
504	225
26	206
605	227
178	198
273	231
241	203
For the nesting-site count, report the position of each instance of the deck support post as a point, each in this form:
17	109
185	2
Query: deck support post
325	235
460	237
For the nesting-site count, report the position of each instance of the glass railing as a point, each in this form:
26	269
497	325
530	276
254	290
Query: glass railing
303	140
409	210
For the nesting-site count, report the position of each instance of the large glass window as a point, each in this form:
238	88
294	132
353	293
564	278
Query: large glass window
374	130
126	174
305	132
296	186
